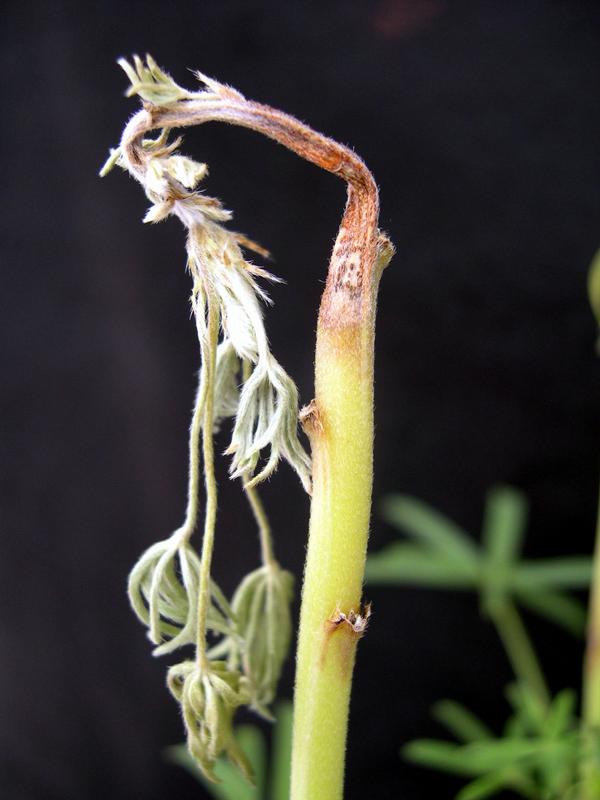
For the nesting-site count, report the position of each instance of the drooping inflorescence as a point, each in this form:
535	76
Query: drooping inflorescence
170	587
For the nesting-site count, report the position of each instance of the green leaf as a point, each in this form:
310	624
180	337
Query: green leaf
429	526
558	768
461	722
570	572
504	524
561	714
444	756
281	753
409	563
559	608
514	728
477	758
500	753
486	786
232	785
528	707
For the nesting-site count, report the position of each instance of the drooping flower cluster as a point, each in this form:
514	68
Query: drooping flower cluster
169	588
266	415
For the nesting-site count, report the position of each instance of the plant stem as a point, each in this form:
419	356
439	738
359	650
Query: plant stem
342	475
209	350
519	649
590	772
591	673
339	423
264	529
191	513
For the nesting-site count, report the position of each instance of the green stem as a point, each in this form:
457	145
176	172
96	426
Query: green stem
262	522
590	772
591	673
209	350
519	649
191	513
339	423
341	439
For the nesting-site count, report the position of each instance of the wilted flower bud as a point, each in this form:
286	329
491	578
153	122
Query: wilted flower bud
267	417
163	587
261	605
151	83
163	591
208	700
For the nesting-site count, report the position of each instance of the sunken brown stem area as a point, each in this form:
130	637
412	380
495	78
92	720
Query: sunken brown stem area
350	278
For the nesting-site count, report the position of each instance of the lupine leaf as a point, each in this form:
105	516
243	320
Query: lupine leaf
514	728
424	523
558	607
486	786
504	524
561	712
448	558
501	753
408	563
445	756
571	572
477	758
528	707
461	722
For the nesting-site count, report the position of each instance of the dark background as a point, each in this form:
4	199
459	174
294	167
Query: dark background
481	123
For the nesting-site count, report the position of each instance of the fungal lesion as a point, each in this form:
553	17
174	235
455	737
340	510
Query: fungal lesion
385	251
356	621
311	419
351	626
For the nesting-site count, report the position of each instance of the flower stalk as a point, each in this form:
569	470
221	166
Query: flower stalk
209	360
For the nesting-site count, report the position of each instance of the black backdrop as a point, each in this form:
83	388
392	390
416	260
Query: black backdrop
481	123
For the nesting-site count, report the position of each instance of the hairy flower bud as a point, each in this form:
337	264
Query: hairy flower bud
163	591
208	700
261	605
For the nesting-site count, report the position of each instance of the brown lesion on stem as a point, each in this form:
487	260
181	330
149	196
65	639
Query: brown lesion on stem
357	621
355	264
350	627
311	419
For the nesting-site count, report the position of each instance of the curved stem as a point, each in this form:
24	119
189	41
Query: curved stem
356	245
209	351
